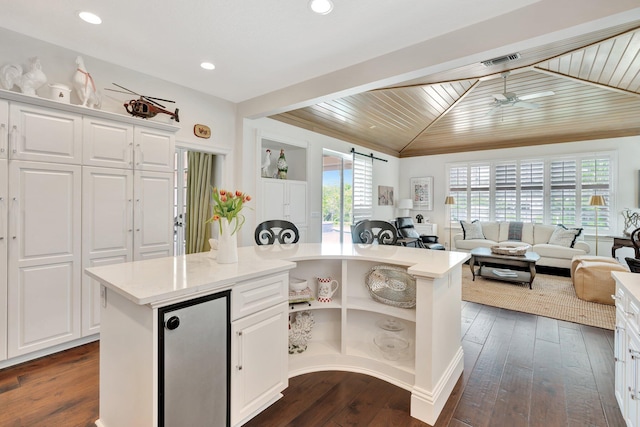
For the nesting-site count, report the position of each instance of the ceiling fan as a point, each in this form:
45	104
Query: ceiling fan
511	99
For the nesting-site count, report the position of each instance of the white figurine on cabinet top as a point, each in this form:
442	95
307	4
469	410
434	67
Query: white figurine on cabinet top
85	86
265	164
29	82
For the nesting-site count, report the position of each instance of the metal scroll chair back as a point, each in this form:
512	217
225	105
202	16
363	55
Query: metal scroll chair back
635	241
370	231
634	264
276	231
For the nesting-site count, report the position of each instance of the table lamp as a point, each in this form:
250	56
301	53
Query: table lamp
449	200
596	201
404	205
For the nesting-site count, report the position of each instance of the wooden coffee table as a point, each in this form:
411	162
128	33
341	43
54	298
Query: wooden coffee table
490	263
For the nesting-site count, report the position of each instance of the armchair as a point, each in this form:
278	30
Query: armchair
407	230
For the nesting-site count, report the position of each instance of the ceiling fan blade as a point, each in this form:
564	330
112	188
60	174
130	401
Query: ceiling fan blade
536	95
500	97
527	105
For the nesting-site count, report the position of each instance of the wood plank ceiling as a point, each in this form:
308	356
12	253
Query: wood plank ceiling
595	79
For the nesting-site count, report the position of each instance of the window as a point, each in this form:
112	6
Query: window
362	188
552	191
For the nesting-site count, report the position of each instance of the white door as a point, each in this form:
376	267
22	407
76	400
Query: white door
3	258
107	143
107	231
154	150
259	360
44	255
619	355
152	215
44	135
632	380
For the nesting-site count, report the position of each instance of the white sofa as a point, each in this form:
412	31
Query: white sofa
536	235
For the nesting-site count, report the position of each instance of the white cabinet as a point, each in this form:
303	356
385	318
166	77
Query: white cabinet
107	143
284	199
107	230
43	255
153	215
627	346
259	368
259	361
4	241
127	201
78	188
4	188
44	135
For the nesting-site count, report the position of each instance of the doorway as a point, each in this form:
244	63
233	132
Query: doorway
337	196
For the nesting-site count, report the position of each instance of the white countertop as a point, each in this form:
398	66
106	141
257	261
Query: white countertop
631	282
156	280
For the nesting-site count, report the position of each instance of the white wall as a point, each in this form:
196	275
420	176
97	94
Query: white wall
384	173
626	189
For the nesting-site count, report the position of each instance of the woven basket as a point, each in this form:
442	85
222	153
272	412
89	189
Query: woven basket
506	250
391	285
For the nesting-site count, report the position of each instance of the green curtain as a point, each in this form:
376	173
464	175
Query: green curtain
198	233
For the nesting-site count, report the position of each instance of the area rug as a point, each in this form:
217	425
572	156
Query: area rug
551	296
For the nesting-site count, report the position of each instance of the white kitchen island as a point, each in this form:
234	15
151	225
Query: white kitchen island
341	339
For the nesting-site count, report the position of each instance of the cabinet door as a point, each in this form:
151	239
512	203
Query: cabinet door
273	199
153	215
259	361
154	150
44	255
3	258
619	353
297	204
632	393
107	231
44	135
107	143
4	129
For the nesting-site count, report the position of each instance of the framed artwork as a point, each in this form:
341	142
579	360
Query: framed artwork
422	193
385	195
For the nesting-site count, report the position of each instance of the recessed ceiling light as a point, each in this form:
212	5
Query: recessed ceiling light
208	66
322	7
89	17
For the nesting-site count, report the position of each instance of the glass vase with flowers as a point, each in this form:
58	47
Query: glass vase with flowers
226	209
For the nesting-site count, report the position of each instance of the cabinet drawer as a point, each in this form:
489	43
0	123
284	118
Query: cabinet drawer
621	298
633	315
248	298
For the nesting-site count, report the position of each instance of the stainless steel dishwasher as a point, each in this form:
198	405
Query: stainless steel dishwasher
193	362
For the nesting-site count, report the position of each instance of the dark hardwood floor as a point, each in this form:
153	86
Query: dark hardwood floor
520	370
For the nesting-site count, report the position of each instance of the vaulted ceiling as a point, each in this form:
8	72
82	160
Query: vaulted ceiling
595	80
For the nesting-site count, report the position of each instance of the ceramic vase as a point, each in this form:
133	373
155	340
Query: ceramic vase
227	242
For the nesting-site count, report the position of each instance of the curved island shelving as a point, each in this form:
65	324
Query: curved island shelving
341	338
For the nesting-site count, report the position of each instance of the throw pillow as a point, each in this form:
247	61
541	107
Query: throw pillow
564	236
471	230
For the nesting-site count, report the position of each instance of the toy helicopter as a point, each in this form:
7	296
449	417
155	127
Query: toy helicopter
145	106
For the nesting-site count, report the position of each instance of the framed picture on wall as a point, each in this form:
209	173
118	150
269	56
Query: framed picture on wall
385	195
422	193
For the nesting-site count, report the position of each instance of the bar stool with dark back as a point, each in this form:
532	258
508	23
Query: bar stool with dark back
276	231
370	231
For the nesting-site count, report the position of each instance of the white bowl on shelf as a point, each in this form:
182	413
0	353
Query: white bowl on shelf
297	285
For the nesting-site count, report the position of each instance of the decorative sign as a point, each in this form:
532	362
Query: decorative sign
422	192
202	131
